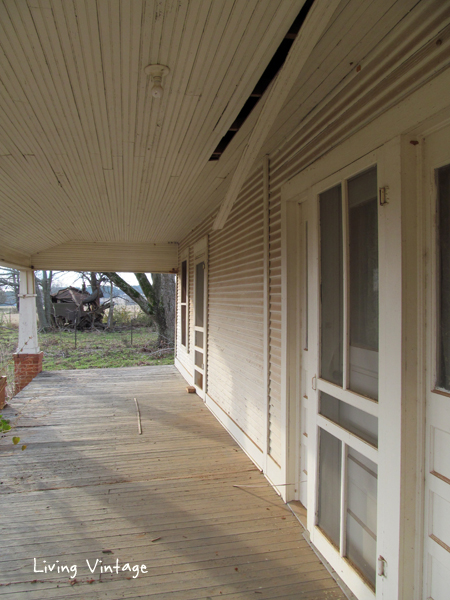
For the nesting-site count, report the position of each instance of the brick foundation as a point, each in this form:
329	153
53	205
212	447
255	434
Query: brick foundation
2	392
26	367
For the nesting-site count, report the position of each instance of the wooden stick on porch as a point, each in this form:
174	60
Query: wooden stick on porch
139	417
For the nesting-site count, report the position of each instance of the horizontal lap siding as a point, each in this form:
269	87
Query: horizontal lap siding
235	313
317	117
275	325
411	55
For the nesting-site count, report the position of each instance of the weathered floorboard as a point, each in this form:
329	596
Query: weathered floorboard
89	487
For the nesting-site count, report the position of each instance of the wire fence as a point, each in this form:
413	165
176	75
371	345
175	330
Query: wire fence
129	342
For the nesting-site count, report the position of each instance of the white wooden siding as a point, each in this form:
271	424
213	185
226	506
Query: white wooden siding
274	449
325	107
235	314
415	60
401	59
363	36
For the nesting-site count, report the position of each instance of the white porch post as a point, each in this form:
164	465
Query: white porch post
28	340
28	358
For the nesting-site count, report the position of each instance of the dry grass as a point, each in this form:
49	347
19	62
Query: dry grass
9	317
90	349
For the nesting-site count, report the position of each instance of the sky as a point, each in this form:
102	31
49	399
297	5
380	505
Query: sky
72	278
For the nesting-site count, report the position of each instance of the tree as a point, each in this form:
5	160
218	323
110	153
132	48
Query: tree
9	282
44	281
111	306
44	324
157	300
47	278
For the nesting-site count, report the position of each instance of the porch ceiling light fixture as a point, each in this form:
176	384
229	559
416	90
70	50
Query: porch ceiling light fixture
157	72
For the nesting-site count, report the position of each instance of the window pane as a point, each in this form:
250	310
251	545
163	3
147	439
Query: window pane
183	324
362	513
363	291
306	263
199	293
331	276
330	486
199	359
199	339
353	419
183	280
443	185
198	379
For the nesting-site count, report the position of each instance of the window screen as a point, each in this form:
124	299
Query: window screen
443	330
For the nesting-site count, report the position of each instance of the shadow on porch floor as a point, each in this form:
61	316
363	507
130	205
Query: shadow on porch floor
88	487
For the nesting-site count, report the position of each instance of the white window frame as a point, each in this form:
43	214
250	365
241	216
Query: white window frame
201	255
184	257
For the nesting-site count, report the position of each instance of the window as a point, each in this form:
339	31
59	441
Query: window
360	284
443	329
363	283
184	304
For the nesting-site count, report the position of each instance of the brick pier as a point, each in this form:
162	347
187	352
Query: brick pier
26	367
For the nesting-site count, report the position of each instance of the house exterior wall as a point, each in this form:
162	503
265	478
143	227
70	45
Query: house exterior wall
387	113
235	349
235	314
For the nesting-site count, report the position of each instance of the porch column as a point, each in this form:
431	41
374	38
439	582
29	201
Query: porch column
28	358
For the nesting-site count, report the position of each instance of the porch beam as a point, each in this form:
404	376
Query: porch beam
133	257
13	259
312	29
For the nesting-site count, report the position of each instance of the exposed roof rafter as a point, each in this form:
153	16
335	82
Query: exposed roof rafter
312	29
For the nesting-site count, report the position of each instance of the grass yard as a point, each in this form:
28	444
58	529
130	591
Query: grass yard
95	349
99	349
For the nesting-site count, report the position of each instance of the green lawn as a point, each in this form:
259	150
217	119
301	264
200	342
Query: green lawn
94	349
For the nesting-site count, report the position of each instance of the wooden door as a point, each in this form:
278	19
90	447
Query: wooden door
436	194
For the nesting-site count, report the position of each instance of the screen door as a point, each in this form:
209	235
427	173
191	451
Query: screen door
343	346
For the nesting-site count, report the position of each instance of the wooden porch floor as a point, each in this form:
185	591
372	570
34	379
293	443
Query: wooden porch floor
89	487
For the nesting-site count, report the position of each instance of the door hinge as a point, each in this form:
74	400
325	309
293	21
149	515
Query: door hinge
384	195
382	567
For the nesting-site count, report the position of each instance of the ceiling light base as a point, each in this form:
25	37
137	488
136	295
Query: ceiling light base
157	72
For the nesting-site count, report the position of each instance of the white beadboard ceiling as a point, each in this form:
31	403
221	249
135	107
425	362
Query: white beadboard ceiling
97	174
86	153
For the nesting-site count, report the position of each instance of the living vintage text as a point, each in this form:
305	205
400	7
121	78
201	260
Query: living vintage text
94	567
